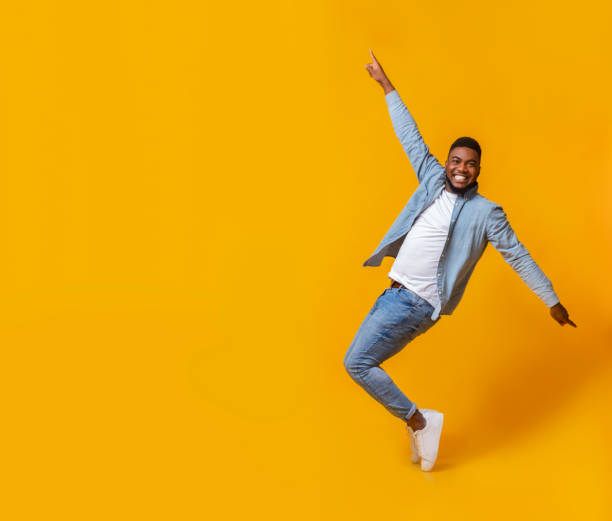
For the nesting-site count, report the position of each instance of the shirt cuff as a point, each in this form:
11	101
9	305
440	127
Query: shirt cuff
393	98
551	299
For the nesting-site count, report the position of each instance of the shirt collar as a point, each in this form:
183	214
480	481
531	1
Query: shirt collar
471	192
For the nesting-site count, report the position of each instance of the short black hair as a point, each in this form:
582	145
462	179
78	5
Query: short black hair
466	142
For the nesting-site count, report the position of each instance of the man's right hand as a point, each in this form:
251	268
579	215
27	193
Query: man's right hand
376	72
560	314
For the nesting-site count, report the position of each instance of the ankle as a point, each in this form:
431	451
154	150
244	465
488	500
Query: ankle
417	421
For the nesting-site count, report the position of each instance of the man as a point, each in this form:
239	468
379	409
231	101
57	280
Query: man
436	241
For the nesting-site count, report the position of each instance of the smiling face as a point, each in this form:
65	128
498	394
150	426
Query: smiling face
462	168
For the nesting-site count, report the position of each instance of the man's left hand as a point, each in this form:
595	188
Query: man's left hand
559	313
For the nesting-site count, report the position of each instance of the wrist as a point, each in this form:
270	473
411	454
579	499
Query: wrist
386	85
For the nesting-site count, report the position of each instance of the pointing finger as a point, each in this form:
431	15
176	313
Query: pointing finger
372	55
571	323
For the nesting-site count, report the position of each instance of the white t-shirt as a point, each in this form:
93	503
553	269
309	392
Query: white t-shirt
416	263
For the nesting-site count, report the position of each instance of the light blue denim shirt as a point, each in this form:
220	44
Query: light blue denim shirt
475	222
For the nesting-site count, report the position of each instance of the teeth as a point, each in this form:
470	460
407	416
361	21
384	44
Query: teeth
460	178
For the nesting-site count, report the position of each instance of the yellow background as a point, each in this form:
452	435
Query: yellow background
189	191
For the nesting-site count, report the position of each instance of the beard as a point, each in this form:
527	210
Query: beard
456	190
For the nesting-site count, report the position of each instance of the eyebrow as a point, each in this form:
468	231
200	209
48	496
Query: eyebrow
457	157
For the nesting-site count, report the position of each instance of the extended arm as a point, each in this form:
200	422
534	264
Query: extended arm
404	125
501	235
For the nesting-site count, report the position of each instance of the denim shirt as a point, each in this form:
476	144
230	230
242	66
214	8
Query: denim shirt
475	222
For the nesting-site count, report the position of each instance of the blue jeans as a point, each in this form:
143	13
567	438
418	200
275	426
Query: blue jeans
397	317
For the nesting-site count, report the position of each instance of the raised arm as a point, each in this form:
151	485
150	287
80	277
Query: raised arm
501	235
422	161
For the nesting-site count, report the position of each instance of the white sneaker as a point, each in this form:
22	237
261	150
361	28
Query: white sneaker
427	439
415	457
